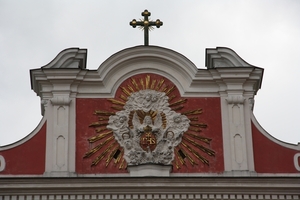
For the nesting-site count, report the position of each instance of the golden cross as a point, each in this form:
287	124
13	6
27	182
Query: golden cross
146	24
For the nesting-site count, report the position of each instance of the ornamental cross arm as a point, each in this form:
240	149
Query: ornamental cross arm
146	25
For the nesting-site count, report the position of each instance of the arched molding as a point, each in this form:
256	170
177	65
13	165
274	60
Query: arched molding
150	59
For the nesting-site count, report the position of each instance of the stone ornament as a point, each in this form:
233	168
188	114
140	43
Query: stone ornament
148	123
148	129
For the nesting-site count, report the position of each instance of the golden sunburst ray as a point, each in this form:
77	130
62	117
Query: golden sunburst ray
117	160
179	156
103	154
98	130
176	103
195	153
169	91
193	118
116	102
117	108
178	108
201	138
104	113
111	155
134	83
147	81
125	91
142	83
103	118
130	88
201	125
199	146
96	124
99	137
152	84
123	97
171	98
193	112
194	129
98	147
159	84
188	157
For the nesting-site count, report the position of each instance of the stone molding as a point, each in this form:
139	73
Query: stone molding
151	188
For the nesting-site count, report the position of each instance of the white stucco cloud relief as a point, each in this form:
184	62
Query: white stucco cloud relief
263	33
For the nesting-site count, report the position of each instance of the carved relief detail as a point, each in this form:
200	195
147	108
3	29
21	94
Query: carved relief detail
148	129
149	126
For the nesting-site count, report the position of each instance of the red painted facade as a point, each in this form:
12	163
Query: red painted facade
270	157
27	158
211	116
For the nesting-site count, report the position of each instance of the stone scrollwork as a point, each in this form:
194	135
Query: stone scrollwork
147	128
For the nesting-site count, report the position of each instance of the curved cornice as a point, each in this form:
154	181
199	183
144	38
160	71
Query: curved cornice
224	57
69	58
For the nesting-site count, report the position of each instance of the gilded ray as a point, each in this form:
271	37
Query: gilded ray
100	129
199	146
170	90
130	88
179	156
95	124
159	84
126	91
103	118
123	97
203	139
193	118
135	84
99	137
152	84
189	157
142	83
193	112
201	125
102	155
111	155
176	103
105	113
195	153
117	102
147	81
98	147
176	164
117	107
194	129
164	89
122	164
119	156
171	98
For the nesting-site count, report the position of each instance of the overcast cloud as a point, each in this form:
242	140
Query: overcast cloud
264	33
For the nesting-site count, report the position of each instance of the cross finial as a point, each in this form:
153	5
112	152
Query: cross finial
146	24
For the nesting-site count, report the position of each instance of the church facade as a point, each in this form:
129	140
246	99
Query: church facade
149	124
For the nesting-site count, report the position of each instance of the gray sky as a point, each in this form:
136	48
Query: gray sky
265	33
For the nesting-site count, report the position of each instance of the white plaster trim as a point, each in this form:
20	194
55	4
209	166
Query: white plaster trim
270	137
2	163
26	138
296	162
